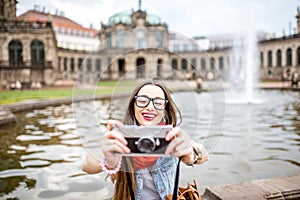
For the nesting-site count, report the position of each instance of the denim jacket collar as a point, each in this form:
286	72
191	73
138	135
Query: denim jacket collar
163	174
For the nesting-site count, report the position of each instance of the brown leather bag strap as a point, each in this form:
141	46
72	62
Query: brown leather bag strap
175	191
192	192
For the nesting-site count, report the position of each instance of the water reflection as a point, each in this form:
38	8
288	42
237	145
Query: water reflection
41	155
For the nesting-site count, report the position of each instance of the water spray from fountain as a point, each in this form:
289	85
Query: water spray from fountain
243	70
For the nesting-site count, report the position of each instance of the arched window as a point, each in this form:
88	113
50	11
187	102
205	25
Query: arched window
121	66
140	39
184	64
278	58
72	66
203	64
1	8
298	56
289	57
108	40
221	63
270	59
65	64
194	63
159	39
212	64
140	68
80	64
261	59
98	65
174	64
158	67
89	66
121	39
37	53
15	53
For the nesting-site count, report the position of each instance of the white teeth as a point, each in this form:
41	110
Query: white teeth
149	115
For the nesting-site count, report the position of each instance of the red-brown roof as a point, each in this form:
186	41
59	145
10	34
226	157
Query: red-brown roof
57	21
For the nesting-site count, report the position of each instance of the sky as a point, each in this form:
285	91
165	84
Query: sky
188	17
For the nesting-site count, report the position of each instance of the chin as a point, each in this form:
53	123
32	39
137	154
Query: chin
149	123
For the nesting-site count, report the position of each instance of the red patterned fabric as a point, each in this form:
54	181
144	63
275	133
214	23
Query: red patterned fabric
142	162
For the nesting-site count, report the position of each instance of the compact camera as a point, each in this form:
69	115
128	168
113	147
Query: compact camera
146	140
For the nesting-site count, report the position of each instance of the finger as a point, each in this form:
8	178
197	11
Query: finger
172	145
114	134
185	137
115	146
171	134
183	153
112	138
110	151
113	123
121	146
182	150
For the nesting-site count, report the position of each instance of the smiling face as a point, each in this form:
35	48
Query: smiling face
149	115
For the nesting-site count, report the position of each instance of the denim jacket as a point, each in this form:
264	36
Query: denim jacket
163	174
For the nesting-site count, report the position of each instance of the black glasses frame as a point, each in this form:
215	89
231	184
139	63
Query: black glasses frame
151	99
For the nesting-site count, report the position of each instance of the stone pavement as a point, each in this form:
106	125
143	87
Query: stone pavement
278	85
280	188
6	116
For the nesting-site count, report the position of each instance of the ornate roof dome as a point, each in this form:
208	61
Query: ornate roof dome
121	17
153	19
125	17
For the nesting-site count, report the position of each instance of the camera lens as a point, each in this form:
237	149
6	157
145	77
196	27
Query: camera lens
146	145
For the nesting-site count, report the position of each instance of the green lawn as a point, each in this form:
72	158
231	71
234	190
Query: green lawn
104	87
7	97
114	83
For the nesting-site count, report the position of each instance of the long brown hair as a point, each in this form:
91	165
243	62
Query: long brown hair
171	111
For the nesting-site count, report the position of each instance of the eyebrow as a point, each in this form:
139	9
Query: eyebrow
150	97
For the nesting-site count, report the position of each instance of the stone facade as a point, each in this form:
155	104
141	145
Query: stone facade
278	55
16	63
132	46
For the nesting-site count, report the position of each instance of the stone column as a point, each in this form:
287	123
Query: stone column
273	58
294	56
265	63
26	51
61	64
130	67
76	64
69	72
283	57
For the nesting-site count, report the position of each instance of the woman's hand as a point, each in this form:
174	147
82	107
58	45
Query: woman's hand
181	145
113	142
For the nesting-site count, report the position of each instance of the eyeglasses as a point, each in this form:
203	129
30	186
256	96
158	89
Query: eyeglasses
143	101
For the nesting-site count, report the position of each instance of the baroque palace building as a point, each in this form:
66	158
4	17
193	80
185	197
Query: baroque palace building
39	46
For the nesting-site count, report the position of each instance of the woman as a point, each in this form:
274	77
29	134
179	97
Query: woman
153	177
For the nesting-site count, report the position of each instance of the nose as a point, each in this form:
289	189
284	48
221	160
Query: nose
151	105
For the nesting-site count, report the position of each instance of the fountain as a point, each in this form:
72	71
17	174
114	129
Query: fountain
243	73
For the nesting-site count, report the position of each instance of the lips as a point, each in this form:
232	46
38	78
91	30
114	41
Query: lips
148	116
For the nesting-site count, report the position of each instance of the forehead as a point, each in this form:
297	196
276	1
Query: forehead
151	91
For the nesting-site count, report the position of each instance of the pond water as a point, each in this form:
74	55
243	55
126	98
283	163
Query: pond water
41	155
